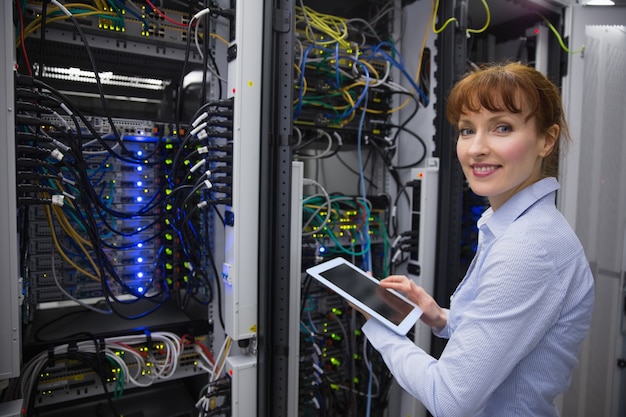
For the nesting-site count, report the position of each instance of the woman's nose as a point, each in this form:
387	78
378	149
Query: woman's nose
478	145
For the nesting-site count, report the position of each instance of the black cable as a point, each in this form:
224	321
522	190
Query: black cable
29	81
179	91
421	142
103	100
355	172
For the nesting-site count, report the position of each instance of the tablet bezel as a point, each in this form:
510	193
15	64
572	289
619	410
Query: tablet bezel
402	328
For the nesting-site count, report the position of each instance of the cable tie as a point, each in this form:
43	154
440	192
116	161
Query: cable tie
199	119
202	135
197	165
318	379
202	204
198	128
316	403
67	109
66	180
68	195
203	149
57	154
57	200
208	184
318	369
61	145
395	256
62	120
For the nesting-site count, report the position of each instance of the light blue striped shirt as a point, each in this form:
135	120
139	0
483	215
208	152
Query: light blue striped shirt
516	321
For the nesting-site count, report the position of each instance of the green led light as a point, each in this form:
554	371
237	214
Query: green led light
335	361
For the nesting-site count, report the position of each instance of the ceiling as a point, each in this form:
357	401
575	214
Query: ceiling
504	12
510	18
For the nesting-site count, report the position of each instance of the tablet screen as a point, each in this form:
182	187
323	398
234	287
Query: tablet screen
379	299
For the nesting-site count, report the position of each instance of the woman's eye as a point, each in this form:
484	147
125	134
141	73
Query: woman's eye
504	129
465	131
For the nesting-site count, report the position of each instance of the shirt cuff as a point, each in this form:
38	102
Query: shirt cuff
376	332
444	332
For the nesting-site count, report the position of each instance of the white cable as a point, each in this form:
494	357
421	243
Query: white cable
195	38
309	181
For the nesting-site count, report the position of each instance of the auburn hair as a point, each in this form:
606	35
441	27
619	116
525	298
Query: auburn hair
515	88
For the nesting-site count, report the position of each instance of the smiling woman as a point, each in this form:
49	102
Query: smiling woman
509	120
519	90
517	320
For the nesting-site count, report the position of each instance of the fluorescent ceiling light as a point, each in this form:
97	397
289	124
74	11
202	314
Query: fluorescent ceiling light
600	3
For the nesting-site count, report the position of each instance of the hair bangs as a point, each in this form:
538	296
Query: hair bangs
494	91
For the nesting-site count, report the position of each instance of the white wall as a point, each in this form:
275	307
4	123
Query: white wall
591	184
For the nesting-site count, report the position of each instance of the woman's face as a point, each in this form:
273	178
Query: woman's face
501	152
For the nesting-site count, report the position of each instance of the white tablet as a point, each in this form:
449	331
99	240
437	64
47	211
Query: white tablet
364	291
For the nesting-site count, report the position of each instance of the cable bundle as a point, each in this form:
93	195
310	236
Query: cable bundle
117	362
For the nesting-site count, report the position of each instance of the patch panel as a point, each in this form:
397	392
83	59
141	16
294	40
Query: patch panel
150	25
331	365
72	379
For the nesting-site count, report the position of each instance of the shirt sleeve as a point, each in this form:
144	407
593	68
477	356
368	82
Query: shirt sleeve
513	306
444	332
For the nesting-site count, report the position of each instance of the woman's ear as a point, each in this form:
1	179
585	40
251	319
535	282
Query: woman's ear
550	138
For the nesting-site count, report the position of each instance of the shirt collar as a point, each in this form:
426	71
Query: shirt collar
496	222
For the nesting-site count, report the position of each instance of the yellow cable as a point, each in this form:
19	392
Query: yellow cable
487	22
446	23
453	19
71	232
560	39
332	26
60	248
221	38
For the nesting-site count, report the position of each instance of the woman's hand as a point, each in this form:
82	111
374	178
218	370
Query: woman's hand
433	315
